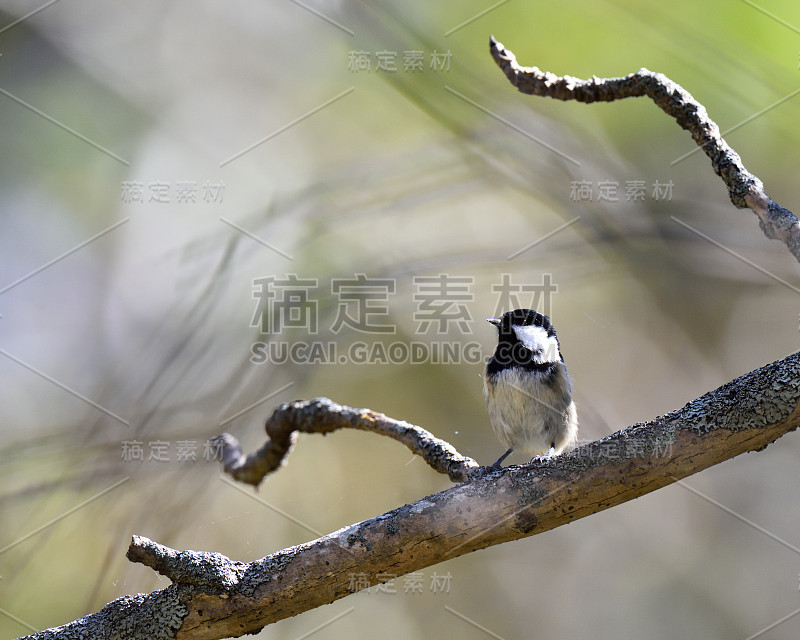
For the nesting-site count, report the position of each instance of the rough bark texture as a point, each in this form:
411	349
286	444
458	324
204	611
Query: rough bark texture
214	597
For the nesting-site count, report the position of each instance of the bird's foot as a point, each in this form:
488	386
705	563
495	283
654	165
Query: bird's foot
499	461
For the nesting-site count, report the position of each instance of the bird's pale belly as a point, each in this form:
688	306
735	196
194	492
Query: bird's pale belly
528	416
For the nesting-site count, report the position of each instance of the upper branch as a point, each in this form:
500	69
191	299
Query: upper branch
745	189
321	415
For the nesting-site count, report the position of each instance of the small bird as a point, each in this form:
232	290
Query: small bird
528	390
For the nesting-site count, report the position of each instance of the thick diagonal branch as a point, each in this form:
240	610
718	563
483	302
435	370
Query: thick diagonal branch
745	189
321	415
214	597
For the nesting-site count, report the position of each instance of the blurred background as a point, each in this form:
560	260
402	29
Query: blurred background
188	185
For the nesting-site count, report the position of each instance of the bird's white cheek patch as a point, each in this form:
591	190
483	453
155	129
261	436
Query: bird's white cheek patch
536	339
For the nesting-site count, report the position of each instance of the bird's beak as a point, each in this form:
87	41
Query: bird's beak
494	321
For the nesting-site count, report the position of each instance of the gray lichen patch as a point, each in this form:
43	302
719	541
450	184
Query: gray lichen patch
264	570
277	561
528	494
760	398
206	569
358	538
392	526
155	616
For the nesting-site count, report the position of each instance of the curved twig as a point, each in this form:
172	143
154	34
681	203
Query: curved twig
321	415
745	189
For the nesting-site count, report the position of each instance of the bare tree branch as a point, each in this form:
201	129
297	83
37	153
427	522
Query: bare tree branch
214	597
324	416
745	189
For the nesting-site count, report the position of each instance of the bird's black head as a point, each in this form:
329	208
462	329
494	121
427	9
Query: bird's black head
522	318
526	338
